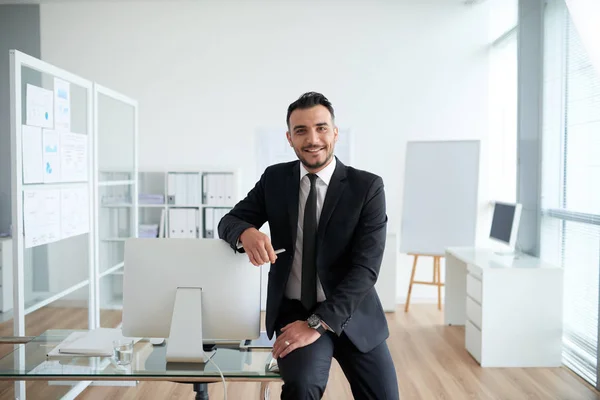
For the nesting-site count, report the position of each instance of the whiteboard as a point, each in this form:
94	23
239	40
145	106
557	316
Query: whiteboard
440	196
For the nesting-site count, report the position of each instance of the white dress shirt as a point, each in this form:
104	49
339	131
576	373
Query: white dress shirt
294	284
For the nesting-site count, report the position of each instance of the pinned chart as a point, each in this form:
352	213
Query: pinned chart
41	217
62	105
73	157
33	158
74	209
40	110
51	156
52	215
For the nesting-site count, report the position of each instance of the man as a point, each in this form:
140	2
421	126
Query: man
331	220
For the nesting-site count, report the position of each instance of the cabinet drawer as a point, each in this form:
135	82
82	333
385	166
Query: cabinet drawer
474	289
474	270
473	341
474	312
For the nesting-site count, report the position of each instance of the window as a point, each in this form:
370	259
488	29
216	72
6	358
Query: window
502	138
570	231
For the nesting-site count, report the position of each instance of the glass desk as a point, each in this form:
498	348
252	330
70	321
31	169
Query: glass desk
30	362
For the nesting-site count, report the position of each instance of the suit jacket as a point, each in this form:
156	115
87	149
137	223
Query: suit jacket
350	242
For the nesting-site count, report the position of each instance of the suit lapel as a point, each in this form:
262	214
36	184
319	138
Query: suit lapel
334	192
293	196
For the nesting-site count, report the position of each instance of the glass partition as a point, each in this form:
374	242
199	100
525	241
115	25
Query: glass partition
116	138
111	299
117	191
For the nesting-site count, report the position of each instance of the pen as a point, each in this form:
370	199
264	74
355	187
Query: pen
279	251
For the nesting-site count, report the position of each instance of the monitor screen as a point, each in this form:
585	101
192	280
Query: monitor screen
502	222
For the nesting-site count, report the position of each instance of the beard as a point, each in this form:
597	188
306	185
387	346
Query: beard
316	164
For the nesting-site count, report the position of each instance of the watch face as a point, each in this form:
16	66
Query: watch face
313	321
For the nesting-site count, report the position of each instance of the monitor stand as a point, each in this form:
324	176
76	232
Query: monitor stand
185	338
508	253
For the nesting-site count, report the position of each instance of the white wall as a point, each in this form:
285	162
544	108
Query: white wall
208	75
20	30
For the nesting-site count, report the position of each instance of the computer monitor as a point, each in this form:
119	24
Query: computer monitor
505	223
190	291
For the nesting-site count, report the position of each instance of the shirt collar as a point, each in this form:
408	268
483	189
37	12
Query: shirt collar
325	174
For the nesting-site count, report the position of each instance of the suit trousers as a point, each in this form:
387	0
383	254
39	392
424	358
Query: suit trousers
305	371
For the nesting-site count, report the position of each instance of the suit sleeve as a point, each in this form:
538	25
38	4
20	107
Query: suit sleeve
367	253
248	213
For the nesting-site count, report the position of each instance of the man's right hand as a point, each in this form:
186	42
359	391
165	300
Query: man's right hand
258	247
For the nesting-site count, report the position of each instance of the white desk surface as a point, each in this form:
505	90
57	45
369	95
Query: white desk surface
487	258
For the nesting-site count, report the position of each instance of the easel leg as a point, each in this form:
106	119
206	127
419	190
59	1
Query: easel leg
439	282
410	285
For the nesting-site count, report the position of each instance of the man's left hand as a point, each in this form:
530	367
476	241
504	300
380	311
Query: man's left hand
294	336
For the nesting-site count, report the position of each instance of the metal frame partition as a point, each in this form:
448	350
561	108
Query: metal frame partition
88	186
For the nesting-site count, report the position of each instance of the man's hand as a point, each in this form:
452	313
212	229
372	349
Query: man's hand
258	247
294	336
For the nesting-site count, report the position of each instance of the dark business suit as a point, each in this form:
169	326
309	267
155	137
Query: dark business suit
350	242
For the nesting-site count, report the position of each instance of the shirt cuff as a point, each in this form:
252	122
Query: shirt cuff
325	325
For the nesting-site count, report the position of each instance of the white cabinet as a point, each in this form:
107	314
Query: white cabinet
6	268
386	282
511	307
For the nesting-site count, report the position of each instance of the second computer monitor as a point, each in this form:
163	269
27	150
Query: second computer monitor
505	223
156	268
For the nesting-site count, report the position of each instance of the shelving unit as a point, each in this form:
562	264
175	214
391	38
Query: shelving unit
167	201
199	192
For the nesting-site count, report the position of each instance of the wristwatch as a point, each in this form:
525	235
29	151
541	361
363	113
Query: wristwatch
314	322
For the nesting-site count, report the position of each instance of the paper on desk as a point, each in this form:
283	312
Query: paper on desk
95	343
62	367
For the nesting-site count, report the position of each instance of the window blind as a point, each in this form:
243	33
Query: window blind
570	224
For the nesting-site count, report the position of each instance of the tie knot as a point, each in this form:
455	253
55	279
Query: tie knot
312	178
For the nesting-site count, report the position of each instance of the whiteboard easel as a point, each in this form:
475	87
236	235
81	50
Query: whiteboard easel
441	182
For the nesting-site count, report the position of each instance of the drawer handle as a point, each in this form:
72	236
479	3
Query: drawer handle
474	301
475	325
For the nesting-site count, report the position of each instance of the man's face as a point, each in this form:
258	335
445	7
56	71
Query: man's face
313	136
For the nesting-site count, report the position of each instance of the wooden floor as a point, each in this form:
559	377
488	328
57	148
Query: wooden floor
430	359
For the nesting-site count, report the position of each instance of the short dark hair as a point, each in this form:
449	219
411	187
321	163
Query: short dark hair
308	100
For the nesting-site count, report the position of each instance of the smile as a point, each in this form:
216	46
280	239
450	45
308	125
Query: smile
314	150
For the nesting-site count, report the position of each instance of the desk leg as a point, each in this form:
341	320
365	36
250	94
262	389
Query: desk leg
201	390
264	390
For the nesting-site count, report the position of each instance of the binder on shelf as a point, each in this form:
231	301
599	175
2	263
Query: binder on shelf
229	189
193	189
161	225
174	223
209	216
218	188
181	189
204	188
183	223
192	223
171	188
210	192
212	217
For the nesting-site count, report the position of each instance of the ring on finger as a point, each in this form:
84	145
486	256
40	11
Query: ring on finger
287	343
